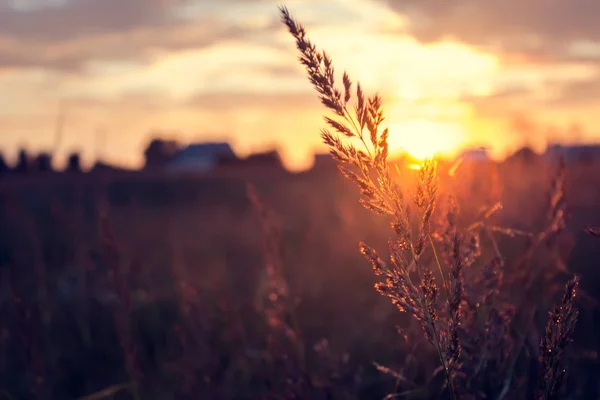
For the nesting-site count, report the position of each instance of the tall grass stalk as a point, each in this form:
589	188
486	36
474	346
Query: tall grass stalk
123	308
368	167
358	143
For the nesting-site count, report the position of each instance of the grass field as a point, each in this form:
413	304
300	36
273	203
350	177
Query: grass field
170	288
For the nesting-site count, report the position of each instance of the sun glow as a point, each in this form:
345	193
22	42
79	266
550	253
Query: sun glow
423	138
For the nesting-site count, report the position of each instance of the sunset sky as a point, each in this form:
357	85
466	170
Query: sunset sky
452	73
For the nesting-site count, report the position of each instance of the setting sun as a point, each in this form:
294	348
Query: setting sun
422	138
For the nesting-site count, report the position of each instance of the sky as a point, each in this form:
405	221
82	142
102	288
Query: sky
113	74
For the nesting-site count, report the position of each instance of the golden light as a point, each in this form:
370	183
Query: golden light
423	138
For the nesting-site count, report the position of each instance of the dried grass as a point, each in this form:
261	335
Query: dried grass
358	142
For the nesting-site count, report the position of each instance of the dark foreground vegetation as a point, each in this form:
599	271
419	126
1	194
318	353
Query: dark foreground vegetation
197	288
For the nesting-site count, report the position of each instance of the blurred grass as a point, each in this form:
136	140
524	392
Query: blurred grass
207	228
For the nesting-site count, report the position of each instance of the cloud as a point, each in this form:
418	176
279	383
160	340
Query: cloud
139	45
265	101
68	37
543	28
579	93
501	103
209	101
150	100
78	18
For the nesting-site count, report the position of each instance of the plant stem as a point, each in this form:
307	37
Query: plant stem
439	265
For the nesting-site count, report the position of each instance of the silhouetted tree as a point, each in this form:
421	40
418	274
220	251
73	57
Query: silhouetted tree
4	168
74	163
159	152
43	162
24	163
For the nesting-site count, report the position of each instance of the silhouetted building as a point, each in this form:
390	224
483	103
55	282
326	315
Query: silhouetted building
4	168
43	162
584	154
160	153
202	157
102	167
73	163
266	159
324	162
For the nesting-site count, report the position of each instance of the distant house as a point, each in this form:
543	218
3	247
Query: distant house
324	162
160	152
103	167
201	157
585	154
4	167
266	159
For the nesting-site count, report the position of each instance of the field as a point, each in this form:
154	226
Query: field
159	287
